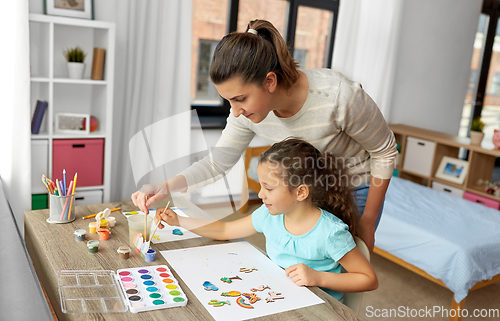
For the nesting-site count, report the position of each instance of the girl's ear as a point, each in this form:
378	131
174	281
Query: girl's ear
271	82
302	192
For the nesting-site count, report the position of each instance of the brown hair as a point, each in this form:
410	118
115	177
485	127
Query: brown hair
299	162
252	57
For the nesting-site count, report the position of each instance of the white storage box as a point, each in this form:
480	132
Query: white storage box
39	165
418	156
88	197
448	189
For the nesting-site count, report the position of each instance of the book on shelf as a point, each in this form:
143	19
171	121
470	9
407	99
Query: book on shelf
98	64
36	121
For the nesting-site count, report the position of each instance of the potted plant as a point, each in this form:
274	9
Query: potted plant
476	131
75	58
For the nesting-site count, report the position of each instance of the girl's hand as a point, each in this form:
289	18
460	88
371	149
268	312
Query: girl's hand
148	195
301	274
169	217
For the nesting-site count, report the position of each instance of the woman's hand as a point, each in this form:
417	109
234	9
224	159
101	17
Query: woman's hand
301	274
148	195
169	217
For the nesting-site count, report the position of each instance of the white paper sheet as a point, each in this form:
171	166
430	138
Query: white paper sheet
166	233
210	263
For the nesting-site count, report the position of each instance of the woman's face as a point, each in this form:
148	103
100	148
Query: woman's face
273	191
249	100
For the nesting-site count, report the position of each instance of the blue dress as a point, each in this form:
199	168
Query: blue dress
320	248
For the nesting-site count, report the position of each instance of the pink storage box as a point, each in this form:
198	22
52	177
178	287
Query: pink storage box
82	156
482	200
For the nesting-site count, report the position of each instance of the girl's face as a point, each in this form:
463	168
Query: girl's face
273	192
249	100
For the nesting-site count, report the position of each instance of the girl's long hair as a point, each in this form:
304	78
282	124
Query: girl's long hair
299	162
252	57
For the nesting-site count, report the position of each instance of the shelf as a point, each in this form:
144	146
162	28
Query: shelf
481	160
71	21
404	171
77	136
39	136
443	181
50	36
88	188
40	79
79	81
479	190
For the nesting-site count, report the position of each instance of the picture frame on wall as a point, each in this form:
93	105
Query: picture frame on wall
452	169
70	8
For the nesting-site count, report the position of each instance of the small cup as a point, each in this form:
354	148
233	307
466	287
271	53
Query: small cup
80	235
111	221
136	226
104	234
123	252
93	227
150	255
104	224
93	246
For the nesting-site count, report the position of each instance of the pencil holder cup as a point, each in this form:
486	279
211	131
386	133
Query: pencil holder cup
62	209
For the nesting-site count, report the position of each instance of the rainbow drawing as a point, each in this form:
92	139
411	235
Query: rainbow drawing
241	302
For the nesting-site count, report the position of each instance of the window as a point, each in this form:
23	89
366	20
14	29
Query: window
307	25
209	25
312	37
483	97
205	93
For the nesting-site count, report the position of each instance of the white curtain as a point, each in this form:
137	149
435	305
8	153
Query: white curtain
366	45
153	79
15	115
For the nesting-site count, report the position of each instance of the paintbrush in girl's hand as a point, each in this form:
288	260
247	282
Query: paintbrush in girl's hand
147	243
157	224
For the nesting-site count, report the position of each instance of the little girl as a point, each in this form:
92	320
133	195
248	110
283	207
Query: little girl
308	218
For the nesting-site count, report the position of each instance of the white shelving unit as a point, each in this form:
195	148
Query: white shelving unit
49	37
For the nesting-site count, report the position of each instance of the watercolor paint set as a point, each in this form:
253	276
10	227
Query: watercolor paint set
135	289
151	288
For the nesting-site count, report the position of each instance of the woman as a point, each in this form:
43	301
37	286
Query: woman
272	98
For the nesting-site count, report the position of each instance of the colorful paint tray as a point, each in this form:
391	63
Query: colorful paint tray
90	292
151	288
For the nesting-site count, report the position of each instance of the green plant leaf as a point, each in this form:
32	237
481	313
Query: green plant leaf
74	54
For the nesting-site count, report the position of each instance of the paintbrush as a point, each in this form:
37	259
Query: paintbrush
157	224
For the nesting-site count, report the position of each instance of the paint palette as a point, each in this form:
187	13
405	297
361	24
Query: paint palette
151	288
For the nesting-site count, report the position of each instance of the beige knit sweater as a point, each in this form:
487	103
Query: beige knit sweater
337	117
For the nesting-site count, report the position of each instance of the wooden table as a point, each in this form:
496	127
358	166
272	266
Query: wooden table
52	248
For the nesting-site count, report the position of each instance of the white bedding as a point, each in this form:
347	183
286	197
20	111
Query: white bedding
452	239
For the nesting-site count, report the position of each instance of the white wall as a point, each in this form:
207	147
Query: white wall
433	63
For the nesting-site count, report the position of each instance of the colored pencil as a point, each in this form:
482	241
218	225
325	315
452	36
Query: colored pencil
72	195
65	208
56	190
93	215
64	182
62	189
45	183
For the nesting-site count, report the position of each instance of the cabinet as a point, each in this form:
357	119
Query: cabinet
49	37
481	161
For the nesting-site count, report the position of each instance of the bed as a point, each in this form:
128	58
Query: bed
448	240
